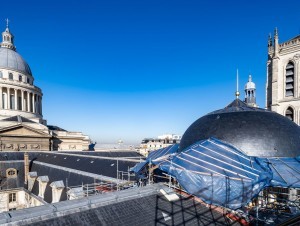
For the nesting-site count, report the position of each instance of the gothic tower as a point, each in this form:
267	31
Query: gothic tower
283	78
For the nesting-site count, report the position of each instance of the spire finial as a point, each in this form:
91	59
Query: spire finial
276	31
7	21
237	93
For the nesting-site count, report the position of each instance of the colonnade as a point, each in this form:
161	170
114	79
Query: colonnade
19	99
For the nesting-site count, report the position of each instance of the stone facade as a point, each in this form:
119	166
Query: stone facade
283	77
151	144
15	199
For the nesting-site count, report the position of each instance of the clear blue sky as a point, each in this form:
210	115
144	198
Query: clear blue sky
134	69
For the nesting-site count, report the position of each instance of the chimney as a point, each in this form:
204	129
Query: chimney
26	168
57	188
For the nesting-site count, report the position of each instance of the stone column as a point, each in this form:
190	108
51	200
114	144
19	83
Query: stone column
8	98
41	109
28	102
39	105
16	99
22	100
1	98
33	103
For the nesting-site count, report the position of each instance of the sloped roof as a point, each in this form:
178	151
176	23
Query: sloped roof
140	206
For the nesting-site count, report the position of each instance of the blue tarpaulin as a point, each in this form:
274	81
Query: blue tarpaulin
220	174
155	157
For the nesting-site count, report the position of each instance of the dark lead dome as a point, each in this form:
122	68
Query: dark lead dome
256	131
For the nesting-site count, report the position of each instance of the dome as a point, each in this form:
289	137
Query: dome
9	59
255	131
250	84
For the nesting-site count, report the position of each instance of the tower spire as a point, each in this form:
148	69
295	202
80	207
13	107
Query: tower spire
270	40
276	45
237	93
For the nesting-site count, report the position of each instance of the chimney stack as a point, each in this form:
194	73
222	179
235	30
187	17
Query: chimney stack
26	167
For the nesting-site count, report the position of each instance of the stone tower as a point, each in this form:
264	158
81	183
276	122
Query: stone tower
282	87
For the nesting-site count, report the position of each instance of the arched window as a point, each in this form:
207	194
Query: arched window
20	78
289	79
10	76
289	113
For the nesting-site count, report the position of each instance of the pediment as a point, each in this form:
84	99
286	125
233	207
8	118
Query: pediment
22	130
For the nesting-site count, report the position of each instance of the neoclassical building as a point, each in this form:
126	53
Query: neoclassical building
283	77
19	95
22	126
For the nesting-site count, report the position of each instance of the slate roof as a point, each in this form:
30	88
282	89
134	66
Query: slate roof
14	182
112	154
52	127
55	174
106	167
72	170
141	206
18	118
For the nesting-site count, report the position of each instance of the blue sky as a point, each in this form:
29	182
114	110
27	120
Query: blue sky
134	69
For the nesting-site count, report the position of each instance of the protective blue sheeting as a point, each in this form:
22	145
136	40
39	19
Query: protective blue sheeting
220	174
155	157
138	167
286	171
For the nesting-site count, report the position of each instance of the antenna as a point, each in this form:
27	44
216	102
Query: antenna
237	93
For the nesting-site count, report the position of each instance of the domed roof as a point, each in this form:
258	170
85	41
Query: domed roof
256	131
10	59
250	84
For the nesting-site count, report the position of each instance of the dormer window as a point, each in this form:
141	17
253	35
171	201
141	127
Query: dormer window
11	172
10	76
289	79
20	78
28	80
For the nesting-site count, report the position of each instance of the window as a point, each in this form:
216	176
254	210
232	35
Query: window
289	79
1	74
10	76
28	80
11	172
20	78
289	113
12	197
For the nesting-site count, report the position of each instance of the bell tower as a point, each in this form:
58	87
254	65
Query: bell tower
250	93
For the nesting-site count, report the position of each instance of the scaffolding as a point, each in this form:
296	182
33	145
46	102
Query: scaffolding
101	187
